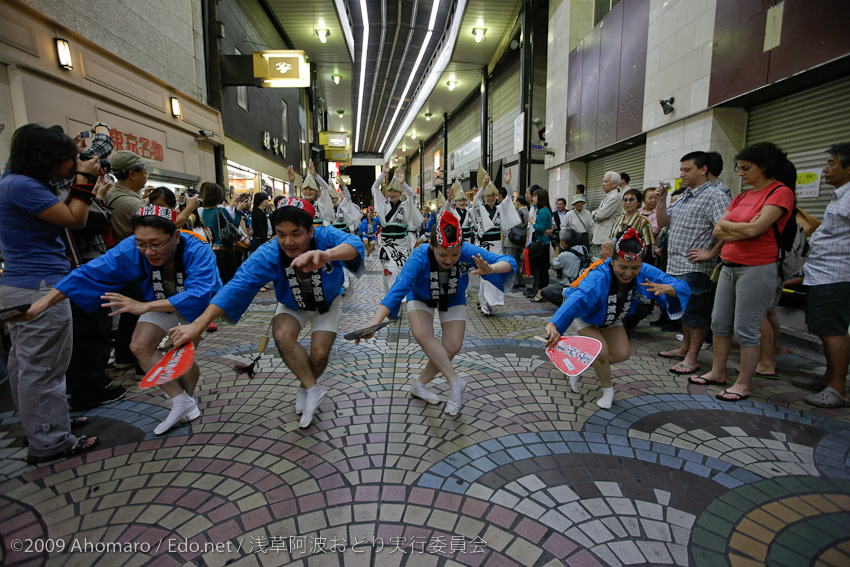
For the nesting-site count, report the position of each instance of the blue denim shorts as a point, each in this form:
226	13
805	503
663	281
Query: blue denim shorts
698	310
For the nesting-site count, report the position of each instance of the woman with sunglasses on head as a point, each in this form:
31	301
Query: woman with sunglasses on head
632	218
596	304
434	281
178	276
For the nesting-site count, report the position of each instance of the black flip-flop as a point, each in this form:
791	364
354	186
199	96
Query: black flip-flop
535	300
738	397
705	382
75	449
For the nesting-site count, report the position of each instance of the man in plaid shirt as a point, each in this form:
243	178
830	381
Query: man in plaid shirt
692	252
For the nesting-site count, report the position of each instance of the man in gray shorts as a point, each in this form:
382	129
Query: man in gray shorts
306	263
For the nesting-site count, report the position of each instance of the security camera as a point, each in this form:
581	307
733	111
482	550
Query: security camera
208	134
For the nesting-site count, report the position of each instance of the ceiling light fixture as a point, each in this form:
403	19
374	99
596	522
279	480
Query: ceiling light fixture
413	73
452	85
428	116
323	35
404	147
364	48
479	34
63	51
436	69
413	135
336	78
340	112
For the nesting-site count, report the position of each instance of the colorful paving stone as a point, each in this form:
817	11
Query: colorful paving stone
528	474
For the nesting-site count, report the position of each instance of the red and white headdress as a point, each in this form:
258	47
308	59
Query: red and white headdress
305	206
155	211
448	218
630	234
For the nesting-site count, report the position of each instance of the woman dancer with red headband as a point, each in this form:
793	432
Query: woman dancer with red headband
598	301
435	278
179	277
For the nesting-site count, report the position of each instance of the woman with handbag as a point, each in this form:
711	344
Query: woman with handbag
224	230
538	249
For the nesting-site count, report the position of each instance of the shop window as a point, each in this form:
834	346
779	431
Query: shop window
241	92
601	8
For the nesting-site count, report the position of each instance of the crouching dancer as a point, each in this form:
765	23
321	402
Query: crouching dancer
305	262
435	278
596	304
178	275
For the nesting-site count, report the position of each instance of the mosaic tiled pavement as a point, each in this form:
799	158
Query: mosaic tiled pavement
528	474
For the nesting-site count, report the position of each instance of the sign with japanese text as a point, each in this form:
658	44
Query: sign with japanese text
282	68
150	149
808	183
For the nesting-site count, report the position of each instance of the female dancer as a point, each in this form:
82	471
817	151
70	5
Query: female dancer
435	278
346	213
490	220
397	218
596	304
467	226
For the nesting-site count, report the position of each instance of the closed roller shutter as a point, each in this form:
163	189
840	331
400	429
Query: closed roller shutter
631	161
804	125
464	127
504	109
414	171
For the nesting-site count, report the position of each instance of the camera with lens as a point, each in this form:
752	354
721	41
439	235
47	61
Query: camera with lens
85	156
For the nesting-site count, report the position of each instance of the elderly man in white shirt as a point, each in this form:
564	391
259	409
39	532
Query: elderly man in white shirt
609	209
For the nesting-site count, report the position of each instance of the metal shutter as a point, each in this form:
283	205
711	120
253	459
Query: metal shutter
631	161
805	125
504	109
464	127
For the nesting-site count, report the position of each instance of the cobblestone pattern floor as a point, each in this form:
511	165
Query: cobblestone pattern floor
528	474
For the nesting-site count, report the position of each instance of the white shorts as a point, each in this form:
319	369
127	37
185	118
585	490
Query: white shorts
162	320
456	313
327	321
579	324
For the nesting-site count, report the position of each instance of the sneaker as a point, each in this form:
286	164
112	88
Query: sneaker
680	337
419	390
453	405
212	328
110	394
165	344
300	400
313	398
486	309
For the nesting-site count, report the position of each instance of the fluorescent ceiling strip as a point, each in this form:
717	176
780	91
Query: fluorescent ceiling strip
428	86
364	13
406	88
346	27
434	8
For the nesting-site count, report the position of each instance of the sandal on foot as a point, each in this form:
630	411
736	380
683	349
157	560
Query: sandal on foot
727	396
682	369
758	374
536	300
83	444
78	421
703	381
827	398
668	354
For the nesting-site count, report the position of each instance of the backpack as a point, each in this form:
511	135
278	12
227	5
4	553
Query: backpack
792	265
584	257
786	240
517	234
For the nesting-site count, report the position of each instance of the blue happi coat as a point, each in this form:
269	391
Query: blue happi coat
589	300
414	282
124	264
264	265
